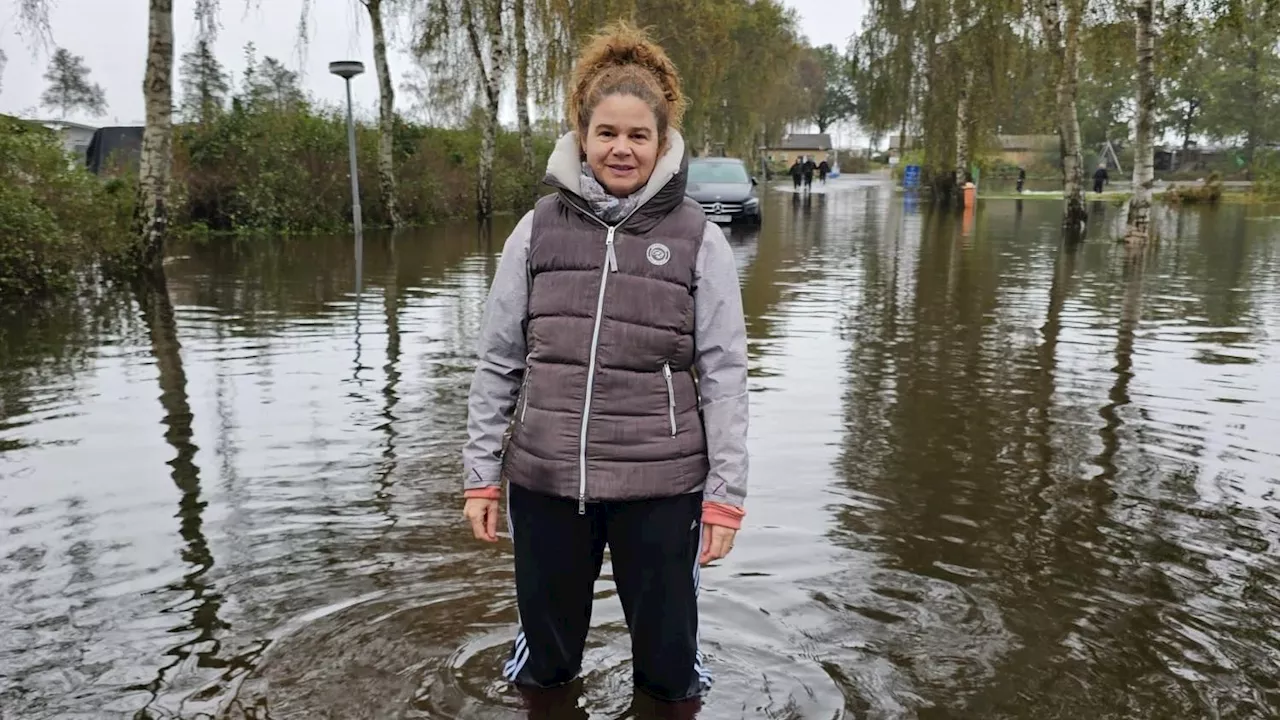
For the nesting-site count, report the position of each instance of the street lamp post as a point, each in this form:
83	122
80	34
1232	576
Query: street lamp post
347	69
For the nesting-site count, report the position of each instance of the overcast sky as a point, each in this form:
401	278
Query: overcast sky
111	35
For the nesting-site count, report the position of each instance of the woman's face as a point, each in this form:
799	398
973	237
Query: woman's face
622	144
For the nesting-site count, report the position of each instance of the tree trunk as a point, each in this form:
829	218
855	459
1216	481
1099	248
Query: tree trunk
1188	123
1074	216
962	135
386	116
1139	230
491	81
151	216
902	132
522	100
1253	135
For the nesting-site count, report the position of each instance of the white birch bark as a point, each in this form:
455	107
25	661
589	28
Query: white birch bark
962	133
491	83
1063	41
151	216
522	96
1139	227
386	116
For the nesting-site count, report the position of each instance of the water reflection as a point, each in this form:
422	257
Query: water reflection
993	476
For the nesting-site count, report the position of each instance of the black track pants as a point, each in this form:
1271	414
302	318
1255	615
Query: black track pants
654	547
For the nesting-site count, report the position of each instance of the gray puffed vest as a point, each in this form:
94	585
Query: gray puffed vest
629	427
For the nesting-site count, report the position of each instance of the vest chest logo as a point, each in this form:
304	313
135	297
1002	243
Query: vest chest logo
658	254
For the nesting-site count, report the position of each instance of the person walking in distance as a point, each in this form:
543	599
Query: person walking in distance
807	171
1100	177
797	169
610	295
823	168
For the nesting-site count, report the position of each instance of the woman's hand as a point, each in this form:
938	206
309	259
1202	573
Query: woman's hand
482	513
717	541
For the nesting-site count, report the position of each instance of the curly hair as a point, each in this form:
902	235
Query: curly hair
622	60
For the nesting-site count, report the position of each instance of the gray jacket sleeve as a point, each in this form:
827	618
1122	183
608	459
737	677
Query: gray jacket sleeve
720	341
500	365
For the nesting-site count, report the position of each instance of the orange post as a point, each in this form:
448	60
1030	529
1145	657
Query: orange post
970	194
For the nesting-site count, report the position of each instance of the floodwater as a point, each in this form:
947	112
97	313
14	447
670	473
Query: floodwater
991	478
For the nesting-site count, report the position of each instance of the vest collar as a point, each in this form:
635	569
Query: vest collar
662	193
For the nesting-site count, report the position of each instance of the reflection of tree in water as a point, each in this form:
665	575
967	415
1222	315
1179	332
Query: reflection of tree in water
384	495
946	425
204	601
976	459
47	345
780	269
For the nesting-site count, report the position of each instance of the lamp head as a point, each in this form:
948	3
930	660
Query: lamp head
346	69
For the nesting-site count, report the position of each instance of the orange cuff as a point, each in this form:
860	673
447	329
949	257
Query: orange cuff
724	515
713	513
493	492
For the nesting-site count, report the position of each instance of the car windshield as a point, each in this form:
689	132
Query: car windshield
718	172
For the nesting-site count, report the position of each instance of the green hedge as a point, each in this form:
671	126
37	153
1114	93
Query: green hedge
286	171
56	219
245	171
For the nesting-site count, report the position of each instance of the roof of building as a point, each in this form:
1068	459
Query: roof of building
805	141
65	124
1028	142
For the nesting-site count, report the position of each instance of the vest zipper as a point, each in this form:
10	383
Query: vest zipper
671	396
610	265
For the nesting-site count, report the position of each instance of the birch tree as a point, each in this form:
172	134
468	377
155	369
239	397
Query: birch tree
962	129
151	214
1139	224
386	112
737	61
520	23
462	42
1062	40
489	53
379	11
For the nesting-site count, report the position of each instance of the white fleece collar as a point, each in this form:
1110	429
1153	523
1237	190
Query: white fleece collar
564	165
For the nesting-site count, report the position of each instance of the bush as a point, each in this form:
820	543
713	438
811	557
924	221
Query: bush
269	169
56	219
855	164
285	170
1210	193
1266	174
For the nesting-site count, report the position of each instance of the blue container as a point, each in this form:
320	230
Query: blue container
911	177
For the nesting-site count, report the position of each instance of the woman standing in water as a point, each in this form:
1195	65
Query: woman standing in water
614	348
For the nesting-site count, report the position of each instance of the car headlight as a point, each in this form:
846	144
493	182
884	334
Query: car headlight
751	202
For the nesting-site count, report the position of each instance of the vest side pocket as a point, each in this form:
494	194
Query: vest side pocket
671	396
524	389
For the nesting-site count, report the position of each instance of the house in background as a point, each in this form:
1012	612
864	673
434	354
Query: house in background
791	147
1026	151
115	150
895	152
75	136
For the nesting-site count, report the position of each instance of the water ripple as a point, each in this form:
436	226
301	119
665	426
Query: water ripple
991	477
